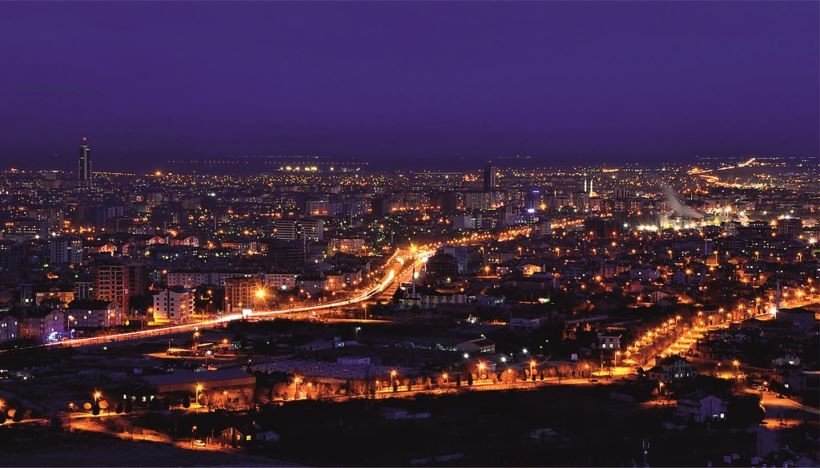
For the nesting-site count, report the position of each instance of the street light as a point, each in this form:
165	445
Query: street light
97	395
532	366
481	367
736	363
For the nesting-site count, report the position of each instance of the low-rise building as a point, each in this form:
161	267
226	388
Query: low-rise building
671	369
701	408
609	342
432	300
481	345
9	328
92	313
42	325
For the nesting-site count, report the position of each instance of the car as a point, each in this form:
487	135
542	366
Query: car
780	396
594	380
199	443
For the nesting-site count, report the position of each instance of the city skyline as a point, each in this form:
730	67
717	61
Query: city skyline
393	84
369	233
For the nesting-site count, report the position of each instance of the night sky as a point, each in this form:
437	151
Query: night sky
407	83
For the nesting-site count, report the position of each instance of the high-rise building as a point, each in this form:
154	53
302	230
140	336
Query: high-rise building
65	250
489	178
84	173
311	230
173	304
111	284
240	293
347	245
287	256
789	227
482	200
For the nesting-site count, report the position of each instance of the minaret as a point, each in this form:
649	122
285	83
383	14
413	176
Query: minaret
413	294
585	183
590	188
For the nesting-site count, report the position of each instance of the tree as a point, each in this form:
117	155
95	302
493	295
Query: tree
745	411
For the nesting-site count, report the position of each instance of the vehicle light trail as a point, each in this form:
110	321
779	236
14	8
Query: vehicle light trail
389	277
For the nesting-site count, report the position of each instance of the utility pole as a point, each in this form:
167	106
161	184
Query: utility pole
645	445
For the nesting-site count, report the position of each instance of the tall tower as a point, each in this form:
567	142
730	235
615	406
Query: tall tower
489	178
84	173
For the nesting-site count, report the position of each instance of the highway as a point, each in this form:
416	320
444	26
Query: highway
416	255
392	274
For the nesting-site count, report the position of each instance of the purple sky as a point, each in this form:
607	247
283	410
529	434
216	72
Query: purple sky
385	81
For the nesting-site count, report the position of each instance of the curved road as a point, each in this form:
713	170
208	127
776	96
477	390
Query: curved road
375	290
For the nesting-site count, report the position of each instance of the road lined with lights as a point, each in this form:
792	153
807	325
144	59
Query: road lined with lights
391	276
417	256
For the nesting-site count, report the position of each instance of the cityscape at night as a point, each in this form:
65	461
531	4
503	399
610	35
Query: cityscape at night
410	234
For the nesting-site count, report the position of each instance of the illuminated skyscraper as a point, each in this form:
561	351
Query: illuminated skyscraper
489	178
84	173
